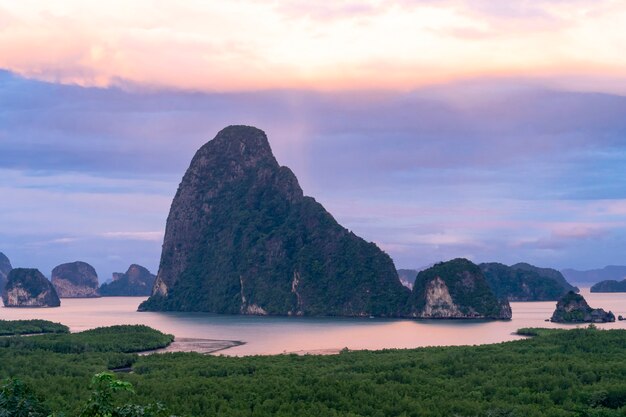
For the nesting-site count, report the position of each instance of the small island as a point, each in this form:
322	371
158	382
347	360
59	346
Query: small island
573	308
610	285
29	288
137	281
75	280
456	289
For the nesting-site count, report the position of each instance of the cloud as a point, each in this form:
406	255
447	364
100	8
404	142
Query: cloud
64	240
325	11
499	170
246	45
148	236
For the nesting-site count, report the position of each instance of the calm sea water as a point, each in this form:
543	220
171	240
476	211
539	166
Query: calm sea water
272	335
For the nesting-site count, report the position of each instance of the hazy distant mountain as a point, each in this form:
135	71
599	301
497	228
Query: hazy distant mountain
241	238
592	276
407	277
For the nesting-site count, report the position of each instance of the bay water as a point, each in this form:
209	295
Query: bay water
276	335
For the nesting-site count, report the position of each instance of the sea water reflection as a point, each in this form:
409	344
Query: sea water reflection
272	335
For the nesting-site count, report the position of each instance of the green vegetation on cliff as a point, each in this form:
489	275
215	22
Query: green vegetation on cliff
609	286
572	373
456	289
242	238
5	268
573	308
525	282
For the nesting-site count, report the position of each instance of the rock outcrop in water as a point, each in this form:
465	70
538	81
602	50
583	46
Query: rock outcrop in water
5	268
137	281
609	286
573	308
525	282
241	238
29	288
75	280
456	289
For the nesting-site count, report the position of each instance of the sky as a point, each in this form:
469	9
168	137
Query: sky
489	130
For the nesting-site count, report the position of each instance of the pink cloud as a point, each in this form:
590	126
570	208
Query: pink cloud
292	44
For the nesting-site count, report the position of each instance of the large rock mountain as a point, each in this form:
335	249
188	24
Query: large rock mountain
609	286
137	281
242	238
525	282
456	289
75	280
5	268
573	308
29	288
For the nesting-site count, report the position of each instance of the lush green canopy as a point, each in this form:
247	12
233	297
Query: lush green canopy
555	373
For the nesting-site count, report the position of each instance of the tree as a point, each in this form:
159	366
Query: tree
17	400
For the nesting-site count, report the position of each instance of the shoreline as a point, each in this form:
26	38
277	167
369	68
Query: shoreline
197	345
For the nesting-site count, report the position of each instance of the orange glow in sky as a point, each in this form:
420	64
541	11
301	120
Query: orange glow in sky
252	45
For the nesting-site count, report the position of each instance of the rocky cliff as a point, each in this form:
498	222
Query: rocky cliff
456	289
609	286
75	280
136	282
573	308
524	282
241	238
29	288
5	268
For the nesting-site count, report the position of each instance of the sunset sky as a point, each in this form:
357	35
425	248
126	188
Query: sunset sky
494	130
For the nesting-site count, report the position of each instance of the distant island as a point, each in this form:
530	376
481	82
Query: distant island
456	289
609	286
573	308
519	282
137	281
525	282
75	280
29	288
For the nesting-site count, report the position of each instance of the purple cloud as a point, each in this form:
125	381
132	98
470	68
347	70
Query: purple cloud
496	171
